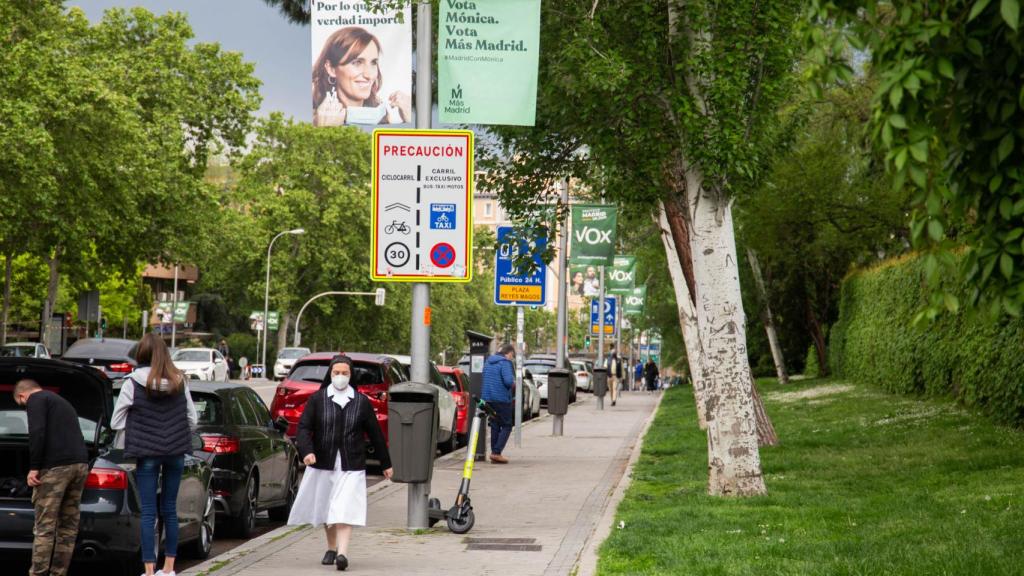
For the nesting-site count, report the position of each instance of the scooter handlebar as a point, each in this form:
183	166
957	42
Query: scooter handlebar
485	407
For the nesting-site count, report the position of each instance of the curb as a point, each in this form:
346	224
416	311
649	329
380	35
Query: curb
237	559
586	564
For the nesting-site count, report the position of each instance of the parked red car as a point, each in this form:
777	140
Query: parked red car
372	375
459	381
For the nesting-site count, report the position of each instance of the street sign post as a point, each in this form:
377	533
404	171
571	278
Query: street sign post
422	221
610	312
511	288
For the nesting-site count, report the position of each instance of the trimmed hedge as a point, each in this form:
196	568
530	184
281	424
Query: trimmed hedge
977	361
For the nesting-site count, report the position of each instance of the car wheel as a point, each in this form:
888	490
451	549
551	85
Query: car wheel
202	546
245	522
280	514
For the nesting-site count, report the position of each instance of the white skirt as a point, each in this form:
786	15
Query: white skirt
330	497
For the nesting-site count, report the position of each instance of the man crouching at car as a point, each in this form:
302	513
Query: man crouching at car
58	467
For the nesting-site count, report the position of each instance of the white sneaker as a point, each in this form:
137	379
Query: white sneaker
162	573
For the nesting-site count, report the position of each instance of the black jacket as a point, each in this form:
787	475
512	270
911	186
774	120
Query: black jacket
326	429
54	436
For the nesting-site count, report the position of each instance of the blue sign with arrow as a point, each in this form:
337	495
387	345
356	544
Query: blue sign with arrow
610	310
510	287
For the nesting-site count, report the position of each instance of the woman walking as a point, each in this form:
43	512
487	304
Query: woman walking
156	414
332	443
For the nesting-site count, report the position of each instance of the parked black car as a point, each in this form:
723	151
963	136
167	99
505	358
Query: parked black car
110	511
114	356
255	467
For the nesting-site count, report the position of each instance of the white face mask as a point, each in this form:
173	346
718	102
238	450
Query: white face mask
339	381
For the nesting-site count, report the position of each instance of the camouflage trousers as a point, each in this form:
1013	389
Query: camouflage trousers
57	502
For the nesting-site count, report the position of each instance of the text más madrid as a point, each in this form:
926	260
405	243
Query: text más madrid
481	44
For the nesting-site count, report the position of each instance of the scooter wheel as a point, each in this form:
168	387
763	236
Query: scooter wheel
460	524
433	504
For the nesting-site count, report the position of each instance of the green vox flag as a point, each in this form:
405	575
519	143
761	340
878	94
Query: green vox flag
634	302
487	54
593	234
622	277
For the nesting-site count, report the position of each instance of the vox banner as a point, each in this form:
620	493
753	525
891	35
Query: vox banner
362	64
593	234
622	276
487	57
633	304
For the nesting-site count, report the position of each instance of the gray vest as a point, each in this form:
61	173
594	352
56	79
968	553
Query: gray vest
157	425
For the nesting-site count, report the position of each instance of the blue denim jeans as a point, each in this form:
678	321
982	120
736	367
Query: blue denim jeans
147	473
501	427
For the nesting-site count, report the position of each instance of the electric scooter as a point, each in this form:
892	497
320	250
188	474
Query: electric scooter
460	517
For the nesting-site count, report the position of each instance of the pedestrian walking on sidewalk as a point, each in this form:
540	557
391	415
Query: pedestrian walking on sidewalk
499	382
332	443
614	366
651	375
58	467
156	413
638	376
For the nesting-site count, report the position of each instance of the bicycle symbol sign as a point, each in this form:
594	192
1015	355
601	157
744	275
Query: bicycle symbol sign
442	255
396	226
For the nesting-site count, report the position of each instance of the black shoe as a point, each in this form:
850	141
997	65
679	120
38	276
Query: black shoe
342	562
329	558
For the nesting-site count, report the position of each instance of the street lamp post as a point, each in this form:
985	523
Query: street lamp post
379	295
266	297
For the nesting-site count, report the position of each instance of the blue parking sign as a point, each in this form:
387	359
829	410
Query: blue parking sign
442	217
511	288
610	310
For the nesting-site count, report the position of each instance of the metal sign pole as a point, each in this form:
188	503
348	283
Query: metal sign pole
417	515
519	377
174	307
600	331
563	307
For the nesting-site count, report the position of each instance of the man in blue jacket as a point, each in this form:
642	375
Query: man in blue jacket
499	383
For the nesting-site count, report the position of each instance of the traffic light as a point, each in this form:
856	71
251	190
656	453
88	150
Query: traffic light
103	324
586	341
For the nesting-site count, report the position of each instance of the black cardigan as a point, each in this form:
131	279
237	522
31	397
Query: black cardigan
326	428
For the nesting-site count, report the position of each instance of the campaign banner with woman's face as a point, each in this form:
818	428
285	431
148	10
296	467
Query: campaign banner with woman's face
584	281
362	64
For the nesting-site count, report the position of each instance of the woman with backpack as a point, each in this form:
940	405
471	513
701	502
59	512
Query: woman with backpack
156	414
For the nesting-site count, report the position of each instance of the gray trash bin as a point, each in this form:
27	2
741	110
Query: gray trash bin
600	382
559	382
412	431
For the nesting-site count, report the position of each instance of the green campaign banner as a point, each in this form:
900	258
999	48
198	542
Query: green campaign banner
487	54
584	280
593	234
622	276
633	304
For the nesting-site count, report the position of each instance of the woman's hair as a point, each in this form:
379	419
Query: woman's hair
153	352
342	47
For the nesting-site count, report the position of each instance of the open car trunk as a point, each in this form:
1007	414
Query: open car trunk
86	388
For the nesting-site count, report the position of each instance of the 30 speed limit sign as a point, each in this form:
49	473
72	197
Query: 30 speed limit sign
422	225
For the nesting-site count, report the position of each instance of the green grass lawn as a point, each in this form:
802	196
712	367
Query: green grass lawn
863	483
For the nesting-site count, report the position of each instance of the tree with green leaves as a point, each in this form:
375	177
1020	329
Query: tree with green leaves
674	103
825	206
111	128
949	112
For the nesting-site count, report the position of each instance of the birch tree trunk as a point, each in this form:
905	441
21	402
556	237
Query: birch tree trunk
51	295
282	331
766	435
767	320
8	273
734	462
687	316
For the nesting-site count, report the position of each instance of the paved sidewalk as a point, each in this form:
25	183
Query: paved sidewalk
550	500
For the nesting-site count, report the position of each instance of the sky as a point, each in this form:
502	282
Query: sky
280	50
